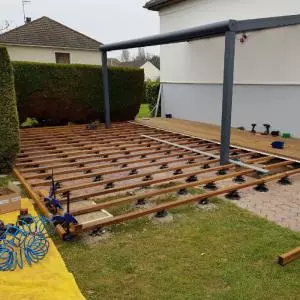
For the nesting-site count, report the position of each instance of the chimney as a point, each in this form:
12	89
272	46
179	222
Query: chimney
28	20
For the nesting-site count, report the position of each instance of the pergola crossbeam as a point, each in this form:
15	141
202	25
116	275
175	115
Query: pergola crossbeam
228	29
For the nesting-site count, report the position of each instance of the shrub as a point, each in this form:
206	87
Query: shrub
151	94
65	93
9	123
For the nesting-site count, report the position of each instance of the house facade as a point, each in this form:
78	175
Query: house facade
267	77
47	41
151	72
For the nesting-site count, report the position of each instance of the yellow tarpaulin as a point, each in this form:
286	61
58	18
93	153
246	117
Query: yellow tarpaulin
48	279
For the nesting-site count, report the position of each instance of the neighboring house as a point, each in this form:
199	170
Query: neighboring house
151	72
113	62
267	64
45	40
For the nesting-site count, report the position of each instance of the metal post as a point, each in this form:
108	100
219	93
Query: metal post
106	89
158	100
227	96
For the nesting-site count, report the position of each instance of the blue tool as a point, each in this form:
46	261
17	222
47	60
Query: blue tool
65	220
278	145
51	202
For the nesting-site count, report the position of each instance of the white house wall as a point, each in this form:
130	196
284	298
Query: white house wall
197	12
267	65
47	55
266	57
277	105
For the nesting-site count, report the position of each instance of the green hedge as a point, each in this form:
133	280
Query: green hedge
64	93
9	123
151	94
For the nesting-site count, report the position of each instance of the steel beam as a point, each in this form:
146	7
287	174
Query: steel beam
227	96
265	23
106	90
203	31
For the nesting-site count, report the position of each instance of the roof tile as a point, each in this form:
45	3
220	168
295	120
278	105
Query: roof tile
47	32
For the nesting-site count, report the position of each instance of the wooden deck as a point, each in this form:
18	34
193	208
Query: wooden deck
239	138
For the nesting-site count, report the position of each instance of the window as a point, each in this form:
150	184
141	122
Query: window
62	58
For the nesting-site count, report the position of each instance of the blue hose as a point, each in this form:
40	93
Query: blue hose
35	248
8	258
27	241
38	226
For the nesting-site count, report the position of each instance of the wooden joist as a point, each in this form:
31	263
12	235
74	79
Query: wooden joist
159	171
170	177
147	159
289	257
77	154
148	195
96	171
171	204
29	147
91	153
40	165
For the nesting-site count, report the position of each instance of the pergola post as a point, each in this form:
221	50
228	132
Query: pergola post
106	89
227	96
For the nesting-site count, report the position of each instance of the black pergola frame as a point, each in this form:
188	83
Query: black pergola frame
229	29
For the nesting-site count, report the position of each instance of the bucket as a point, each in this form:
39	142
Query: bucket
278	145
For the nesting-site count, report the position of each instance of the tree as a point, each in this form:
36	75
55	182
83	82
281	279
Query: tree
5	26
155	60
125	56
9	121
141	56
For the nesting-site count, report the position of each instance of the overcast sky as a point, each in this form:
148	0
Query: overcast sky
104	20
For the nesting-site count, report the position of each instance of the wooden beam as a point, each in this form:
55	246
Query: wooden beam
59	229
165	206
113	149
208	154
116	164
87	195
97	169
116	170
289	257
150	194
91	160
63	143
141	175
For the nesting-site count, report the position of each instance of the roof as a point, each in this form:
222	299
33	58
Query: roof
136	64
46	32
133	64
158	4
114	62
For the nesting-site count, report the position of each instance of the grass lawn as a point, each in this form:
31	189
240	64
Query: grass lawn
144	111
228	253
5	180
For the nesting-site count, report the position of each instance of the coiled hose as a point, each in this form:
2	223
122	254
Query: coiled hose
27	242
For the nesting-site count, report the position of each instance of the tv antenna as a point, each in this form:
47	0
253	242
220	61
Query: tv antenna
24	2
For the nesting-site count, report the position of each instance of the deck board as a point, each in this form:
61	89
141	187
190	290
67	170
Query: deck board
240	138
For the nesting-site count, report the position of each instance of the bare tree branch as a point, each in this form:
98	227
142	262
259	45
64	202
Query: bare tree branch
125	56
5	26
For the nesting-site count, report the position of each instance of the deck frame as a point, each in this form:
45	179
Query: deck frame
146	156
